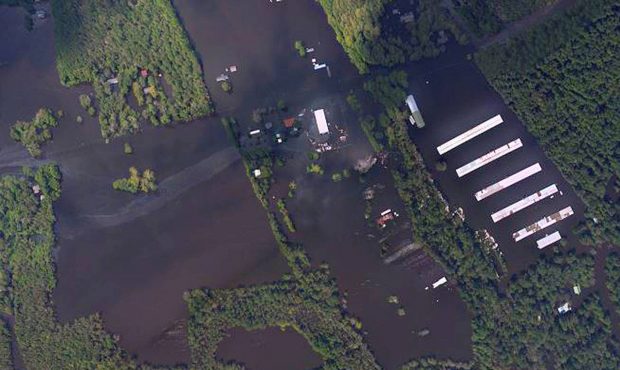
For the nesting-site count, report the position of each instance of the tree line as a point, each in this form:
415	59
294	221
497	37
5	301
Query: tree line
562	80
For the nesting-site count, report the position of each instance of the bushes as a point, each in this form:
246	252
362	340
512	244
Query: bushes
119	46
300	47
32	135
286	217
134	183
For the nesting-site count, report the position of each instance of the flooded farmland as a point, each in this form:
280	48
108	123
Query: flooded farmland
131	258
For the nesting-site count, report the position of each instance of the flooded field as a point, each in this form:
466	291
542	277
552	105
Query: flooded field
131	258
262	350
329	217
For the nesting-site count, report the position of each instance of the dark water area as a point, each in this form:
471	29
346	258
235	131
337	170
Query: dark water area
258	38
263	350
132	257
127	257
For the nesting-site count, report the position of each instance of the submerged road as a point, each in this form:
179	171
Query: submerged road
169	189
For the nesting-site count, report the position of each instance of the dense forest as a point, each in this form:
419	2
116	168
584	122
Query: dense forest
612	272
130	50
6	357
372	36
486	17
563	80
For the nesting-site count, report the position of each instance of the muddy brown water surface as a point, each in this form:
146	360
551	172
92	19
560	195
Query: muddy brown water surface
131	258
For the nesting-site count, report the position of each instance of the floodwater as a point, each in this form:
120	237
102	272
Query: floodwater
258	38
264	349
131	258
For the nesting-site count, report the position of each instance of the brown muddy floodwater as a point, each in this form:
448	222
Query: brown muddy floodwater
258	37
269	349
131	258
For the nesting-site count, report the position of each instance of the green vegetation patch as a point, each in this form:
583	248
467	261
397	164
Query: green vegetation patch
144	183
33	134
431	363
562	80
309	305
485	17
123	46
612	271
360	27
6	357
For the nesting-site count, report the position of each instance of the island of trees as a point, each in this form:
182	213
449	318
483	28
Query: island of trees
33	134
123	47
144	183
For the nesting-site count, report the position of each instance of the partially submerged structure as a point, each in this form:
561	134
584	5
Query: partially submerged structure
508	181
416	117
543	223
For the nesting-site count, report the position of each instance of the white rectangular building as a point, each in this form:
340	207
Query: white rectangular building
508	181
524	203
489	157
542	224
321	121
470	134
548	240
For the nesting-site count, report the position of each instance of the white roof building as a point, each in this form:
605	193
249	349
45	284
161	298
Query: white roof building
321	121
413	106
440	282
